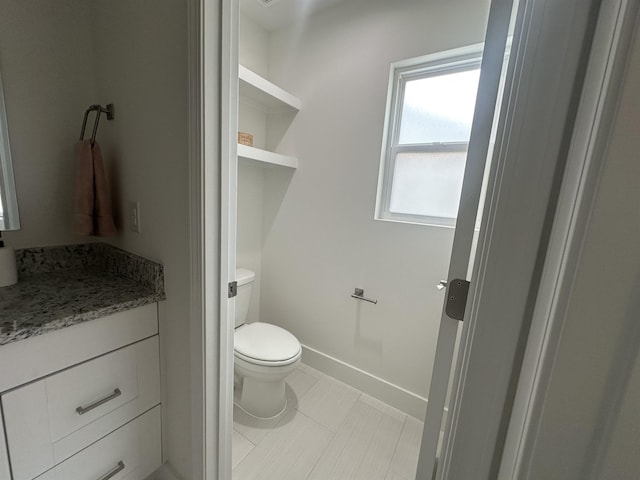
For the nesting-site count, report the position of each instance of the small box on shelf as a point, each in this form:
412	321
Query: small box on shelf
245	139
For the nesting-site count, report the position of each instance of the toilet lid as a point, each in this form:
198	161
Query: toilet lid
265	342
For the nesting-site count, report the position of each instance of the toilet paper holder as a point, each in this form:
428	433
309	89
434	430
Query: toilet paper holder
358	294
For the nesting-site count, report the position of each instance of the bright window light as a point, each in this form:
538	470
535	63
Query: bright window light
439	108
428	125
427	184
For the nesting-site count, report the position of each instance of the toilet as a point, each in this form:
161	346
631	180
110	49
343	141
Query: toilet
264	354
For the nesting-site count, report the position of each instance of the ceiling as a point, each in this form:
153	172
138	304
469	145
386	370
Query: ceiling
280	13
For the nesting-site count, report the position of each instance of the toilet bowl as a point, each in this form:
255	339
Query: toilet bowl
264	354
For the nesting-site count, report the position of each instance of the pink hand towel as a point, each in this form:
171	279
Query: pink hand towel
103	225
93	214
83	215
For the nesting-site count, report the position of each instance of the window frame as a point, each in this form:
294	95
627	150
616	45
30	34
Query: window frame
449	61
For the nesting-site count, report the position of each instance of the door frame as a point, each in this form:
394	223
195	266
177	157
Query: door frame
204	225
213	86
618	23
212	57
574	93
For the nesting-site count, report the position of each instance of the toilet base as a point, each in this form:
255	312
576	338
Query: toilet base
262	389
263	399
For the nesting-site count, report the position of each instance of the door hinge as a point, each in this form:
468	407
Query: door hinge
233	289
457	299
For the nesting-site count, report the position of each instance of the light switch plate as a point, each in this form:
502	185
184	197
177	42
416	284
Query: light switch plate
134	216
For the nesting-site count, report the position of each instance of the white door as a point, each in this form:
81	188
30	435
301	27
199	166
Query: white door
488	96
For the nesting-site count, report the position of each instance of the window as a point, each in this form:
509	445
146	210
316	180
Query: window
428	123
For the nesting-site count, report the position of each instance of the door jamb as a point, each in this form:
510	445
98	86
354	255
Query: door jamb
203	430
211	112
210	67
228	218
618	22
489	455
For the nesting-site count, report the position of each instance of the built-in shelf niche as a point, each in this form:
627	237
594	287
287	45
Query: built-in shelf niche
272	100
264	158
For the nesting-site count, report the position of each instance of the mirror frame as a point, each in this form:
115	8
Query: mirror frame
10	219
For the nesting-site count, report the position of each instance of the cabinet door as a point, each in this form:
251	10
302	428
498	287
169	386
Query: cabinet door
52	419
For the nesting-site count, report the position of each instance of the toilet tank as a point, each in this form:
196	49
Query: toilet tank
245	279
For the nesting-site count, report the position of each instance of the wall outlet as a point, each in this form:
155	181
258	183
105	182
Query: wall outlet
134	216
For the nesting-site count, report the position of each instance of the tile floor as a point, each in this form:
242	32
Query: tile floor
330	431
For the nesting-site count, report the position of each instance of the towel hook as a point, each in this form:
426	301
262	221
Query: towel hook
98	109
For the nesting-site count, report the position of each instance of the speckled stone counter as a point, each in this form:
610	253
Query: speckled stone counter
63	286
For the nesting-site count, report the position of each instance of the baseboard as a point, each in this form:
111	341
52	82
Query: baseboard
165	472
391	394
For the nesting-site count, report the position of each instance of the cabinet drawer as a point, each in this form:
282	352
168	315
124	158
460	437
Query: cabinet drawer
132	452
52	419
43	355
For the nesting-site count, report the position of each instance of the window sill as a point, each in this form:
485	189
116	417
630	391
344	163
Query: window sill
416	221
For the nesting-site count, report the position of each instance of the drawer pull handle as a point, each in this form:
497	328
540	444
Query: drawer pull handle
82	410
114	472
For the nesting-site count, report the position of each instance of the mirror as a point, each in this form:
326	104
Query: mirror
8	202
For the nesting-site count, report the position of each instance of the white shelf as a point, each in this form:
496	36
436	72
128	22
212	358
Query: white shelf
264	158
267	94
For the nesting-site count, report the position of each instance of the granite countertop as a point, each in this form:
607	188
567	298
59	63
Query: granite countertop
63	286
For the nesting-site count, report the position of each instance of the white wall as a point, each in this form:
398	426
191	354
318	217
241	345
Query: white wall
142	68
58	57
320	237
253	54
46	63
253	46
590	427
249	237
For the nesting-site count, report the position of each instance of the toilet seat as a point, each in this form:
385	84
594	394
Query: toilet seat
266	344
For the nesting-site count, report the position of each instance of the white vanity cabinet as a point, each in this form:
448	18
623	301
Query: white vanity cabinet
87	402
